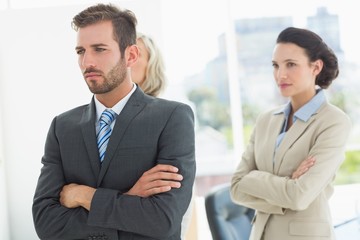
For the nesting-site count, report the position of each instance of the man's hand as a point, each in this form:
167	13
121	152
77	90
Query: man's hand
303	167
75	195
159	179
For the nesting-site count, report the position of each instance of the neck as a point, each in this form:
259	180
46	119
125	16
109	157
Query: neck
111	98
300	100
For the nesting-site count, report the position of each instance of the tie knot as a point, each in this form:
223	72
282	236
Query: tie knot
107	116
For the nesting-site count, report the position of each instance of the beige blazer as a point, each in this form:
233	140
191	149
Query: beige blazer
292	209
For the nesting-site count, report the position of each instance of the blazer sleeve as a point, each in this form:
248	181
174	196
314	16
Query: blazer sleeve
270	193
245	167
157	216
51	219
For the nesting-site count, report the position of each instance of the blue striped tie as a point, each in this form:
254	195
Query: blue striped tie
105	131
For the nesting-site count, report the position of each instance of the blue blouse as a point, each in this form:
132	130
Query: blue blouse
303	114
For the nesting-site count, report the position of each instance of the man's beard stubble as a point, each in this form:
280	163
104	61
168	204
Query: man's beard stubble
112	79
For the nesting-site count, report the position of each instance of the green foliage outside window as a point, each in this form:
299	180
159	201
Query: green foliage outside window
349	171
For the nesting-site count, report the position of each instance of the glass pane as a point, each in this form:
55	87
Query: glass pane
195	53
196	48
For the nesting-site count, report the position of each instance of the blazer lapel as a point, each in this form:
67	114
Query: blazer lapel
134	105
273	129
290	138
88	130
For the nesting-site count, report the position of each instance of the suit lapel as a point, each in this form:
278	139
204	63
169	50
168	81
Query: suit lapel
134	105
290	138
88	130
274	127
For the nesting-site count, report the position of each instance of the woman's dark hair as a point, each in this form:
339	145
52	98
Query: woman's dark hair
123	21
315	49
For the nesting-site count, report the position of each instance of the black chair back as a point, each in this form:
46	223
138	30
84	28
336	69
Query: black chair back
227	220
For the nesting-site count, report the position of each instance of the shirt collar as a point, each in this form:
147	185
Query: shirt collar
118	107
309	109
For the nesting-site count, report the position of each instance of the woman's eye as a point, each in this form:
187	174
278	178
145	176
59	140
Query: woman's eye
291	64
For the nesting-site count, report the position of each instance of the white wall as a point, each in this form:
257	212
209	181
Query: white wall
4	227
39	78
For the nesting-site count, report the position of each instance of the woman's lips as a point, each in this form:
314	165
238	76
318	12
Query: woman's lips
284	85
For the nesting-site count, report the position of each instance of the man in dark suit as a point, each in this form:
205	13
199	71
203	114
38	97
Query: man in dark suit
141	185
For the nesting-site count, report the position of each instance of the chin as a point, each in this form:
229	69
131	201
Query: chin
286	91
285	94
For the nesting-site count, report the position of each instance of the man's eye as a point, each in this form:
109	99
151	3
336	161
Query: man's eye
80	51
99	49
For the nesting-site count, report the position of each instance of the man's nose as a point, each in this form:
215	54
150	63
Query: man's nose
87	61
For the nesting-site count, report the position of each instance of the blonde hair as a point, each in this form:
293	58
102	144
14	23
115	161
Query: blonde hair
155	80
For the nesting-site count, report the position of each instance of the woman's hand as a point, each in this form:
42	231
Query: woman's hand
303	167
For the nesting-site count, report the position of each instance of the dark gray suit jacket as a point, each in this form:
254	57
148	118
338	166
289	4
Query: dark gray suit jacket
148	131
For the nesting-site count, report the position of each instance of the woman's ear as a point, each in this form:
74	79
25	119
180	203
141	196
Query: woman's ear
131	54
318	66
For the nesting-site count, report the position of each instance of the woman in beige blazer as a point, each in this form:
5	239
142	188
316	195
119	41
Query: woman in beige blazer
288	167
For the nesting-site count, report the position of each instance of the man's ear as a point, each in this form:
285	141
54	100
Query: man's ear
131	54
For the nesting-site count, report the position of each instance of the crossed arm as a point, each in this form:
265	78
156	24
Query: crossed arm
159	179
304	166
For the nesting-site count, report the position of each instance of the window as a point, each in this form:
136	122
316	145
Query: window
218	55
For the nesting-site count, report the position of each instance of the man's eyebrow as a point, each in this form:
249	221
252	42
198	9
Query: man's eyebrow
93	46
99	45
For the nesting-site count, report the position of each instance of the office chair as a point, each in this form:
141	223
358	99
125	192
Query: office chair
227	220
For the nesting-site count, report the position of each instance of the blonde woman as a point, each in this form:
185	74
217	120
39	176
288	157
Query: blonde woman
149	73
149	70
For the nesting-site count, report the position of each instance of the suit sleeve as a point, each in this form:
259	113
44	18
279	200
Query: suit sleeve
245	167
51	220
270	193
158	216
